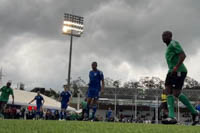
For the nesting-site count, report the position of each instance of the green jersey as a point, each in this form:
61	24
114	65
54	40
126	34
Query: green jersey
5	93
84	104
172	56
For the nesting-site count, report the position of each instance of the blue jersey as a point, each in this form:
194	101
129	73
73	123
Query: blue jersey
95	79
39	100
65	95
198	107
109	113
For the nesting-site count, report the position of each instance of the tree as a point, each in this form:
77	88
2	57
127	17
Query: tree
117	83
131	84
53	94
76	85
49	93
191	83
151	83
108	82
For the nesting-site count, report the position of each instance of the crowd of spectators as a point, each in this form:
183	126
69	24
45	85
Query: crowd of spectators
16	112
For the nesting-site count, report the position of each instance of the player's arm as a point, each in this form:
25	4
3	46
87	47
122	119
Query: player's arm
43	101
60	97
102	81
13	98
70	100
182	57
102	86
180	52
11	92
31	101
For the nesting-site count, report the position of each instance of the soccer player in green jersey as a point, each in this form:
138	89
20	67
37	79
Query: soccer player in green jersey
175	78
84	108
6	91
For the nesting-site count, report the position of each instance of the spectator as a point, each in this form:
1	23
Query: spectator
109	114
198	106
84	108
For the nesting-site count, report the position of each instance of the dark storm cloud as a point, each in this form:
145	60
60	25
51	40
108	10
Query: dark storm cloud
134	33
43	18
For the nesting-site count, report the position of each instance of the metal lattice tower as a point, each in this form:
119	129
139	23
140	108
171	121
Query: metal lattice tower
1	76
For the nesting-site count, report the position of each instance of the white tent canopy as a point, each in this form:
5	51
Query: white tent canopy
24	97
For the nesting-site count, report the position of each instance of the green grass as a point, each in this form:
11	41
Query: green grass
41	126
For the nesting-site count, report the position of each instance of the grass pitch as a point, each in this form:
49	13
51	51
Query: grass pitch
43	126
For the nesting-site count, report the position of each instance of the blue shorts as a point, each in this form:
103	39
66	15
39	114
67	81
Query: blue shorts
64	106
93	93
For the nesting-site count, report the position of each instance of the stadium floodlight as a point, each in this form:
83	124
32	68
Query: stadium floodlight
73	26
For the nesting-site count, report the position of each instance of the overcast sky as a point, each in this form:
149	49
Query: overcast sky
123	36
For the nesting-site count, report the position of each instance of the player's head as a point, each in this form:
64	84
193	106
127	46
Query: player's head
9	83
94	65
65	87
38	92
167	37
85	99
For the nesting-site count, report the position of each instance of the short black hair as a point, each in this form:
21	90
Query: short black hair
168	32
94	62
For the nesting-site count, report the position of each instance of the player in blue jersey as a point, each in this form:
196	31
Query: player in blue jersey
96	85
65	97
109	114
39	103
198	106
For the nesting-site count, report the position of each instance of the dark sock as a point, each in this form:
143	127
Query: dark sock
88	111
61	115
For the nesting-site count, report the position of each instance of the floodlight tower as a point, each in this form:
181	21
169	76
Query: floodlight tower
73	26
1	77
